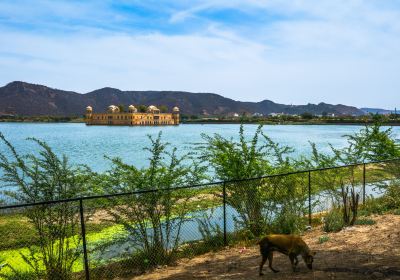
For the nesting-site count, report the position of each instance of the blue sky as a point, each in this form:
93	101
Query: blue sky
295	52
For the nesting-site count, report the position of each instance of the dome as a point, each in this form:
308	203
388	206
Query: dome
89	108
152	108
113	109
175	109
132	109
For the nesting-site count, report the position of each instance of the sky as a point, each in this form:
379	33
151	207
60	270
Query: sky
292	52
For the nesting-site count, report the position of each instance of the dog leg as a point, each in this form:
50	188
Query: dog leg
294	261
270	258
264	259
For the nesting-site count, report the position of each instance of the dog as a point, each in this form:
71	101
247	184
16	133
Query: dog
290	245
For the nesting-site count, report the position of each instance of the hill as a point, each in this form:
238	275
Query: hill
376	111
25	99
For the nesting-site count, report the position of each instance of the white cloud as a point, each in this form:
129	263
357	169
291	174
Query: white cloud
332	51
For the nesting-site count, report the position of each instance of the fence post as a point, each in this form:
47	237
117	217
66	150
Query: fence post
85	257
224	202
364	170
309	198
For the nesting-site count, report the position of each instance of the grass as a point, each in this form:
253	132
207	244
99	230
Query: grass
367	222
323	239
20	233
16	232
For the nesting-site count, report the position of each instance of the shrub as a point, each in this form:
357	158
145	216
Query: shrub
333	221
323	239
368	222
290	219
152	220
396	211
46	177
391	197
243	159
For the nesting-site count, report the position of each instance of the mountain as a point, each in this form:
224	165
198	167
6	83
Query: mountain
376	111
20	98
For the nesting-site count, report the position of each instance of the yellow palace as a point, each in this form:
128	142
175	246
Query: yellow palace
113	116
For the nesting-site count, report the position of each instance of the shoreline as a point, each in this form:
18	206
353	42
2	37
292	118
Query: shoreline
292	123
264	122
223	122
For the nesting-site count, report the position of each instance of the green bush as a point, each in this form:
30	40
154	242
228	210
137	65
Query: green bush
392	196
153	220
333	221
396	211
373	206
288	222
323	239
365	222
45	176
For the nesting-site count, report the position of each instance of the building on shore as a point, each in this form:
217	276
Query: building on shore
114	116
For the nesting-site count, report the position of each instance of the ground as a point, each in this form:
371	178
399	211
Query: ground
359	252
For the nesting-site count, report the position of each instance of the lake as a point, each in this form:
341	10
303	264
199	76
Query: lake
89	144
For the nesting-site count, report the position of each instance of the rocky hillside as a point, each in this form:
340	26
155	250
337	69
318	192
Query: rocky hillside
20	98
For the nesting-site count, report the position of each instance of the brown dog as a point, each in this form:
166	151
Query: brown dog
290	245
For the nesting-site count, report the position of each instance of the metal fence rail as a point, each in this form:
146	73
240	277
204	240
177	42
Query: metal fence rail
118	232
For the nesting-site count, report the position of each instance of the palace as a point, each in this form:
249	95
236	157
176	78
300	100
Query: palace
114	116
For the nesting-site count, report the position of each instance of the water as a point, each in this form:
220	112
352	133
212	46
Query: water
89	144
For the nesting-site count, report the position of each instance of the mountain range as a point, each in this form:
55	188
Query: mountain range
376	111
26	99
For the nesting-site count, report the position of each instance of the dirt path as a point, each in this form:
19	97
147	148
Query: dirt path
359	252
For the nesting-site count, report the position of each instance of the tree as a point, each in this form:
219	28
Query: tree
236	160
47	177
163	109
121	108
142	108
153	219
306	116
371	143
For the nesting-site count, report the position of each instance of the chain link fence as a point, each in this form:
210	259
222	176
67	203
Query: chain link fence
120	236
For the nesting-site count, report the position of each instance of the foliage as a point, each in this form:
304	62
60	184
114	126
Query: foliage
142	108
306	116
163	109
367	222
323	239
121	108
16	232
391	197
211	233
153	220
350	200
235	160
46	177
289	222
373	206
333	221
390	200
372	143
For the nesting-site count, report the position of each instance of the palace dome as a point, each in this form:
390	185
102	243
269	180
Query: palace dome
89	108
152	109
113	109
175	109
132	109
